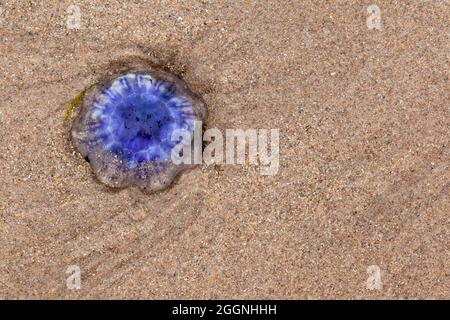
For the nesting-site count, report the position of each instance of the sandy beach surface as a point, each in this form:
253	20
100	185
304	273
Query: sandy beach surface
363	180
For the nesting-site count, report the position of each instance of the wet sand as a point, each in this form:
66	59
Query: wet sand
364	136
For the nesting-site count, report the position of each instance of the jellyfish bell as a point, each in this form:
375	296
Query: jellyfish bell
126	124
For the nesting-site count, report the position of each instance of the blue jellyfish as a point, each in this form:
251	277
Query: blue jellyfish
125	128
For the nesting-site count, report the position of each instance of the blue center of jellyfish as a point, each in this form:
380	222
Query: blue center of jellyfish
136	116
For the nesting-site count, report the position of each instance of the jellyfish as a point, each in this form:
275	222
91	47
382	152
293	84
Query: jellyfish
126	128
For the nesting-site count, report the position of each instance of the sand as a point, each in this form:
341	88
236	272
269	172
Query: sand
364	136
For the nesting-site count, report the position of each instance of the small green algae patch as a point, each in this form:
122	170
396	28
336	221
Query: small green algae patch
73	104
